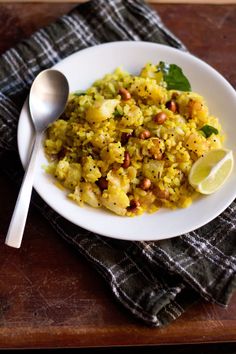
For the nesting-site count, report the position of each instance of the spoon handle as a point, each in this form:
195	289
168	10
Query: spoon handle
19	216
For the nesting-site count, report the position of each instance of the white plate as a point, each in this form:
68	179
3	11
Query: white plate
87	65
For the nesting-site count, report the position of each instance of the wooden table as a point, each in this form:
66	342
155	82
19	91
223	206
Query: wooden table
49	295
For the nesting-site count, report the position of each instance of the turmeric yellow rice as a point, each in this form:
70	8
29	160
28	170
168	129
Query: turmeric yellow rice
128	143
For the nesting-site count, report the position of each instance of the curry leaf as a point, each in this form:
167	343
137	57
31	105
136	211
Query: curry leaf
174	77
208	130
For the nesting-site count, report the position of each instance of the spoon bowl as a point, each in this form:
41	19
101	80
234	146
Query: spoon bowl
47	100
48	97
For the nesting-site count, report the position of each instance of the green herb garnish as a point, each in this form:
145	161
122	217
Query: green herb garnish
208	130
118	112
174	77
79	93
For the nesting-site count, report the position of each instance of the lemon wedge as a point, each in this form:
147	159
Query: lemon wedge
210	171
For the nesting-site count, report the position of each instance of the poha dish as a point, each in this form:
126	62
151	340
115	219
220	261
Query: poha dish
128	142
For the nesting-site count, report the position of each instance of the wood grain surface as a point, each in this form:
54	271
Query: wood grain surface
49	295
148	1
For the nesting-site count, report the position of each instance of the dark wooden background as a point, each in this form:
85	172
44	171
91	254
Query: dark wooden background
50	296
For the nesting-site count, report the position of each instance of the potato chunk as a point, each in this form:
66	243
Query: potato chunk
114	152
90	194
101	110
91	172
116	200
119	179
148	90
197	143
73	175
153	170
62	169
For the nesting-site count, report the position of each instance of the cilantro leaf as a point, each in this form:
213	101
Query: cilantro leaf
118	112
208	130
79	93
174	77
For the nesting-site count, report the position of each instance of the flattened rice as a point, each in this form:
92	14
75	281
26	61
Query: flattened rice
128	143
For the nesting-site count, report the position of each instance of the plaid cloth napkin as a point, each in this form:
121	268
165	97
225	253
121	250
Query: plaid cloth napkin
155	281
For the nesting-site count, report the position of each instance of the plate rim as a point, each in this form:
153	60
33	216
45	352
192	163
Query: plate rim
91	228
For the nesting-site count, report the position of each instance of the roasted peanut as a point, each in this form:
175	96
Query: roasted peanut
172	106
62	153
125	138
134	204
145	184
160	118
125	94
163	194
126	162
102	183
145	134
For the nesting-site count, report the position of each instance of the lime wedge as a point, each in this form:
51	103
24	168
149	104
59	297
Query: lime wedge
211	171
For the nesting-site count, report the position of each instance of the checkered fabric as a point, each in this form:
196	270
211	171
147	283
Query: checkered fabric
155	281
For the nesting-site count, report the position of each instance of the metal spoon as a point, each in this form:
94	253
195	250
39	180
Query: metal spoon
47	100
